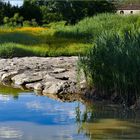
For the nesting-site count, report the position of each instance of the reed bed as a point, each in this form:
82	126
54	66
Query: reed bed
112	66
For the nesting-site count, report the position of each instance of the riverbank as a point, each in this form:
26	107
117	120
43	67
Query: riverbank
53	75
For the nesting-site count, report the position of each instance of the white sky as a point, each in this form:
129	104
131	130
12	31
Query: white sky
15	2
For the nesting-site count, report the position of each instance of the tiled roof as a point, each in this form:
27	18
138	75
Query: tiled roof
129	7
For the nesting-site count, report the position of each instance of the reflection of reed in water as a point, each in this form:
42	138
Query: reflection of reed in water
106	122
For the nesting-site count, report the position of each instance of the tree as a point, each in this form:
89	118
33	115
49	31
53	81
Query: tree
73	11
70	10
16	20
6	20
6	10
30	11
34	23
46	11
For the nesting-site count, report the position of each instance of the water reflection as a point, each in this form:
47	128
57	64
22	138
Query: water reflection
8	91
33	117
107	122
10	133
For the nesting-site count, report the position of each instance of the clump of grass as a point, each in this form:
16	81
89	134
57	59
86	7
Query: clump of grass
31	29
90	28
10	50
113	65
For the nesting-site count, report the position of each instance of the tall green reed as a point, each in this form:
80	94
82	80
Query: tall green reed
113	64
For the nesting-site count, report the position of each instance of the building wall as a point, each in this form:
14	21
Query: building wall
126	12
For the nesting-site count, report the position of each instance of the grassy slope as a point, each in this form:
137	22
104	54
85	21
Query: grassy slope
62	40
30	41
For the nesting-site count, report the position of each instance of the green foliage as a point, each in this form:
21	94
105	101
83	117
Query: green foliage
91	28
26	23
113	64
6	20
73	11
41	43
31	11
45	12
34	23
9	50
58	39
56	25
16	20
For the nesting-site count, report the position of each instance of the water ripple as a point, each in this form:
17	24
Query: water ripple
10	133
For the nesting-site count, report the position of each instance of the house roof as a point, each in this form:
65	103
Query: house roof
129	7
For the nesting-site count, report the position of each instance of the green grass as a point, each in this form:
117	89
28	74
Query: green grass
20	38
19	43
10	50
91	28
60	40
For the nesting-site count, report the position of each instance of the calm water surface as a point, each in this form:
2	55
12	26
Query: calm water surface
27	116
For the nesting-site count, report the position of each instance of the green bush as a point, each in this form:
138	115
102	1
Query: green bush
14	21
26	23
34	23
113	64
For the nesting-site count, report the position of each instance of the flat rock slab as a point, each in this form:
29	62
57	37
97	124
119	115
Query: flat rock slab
51	75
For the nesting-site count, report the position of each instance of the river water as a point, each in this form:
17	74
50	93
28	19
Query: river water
28	116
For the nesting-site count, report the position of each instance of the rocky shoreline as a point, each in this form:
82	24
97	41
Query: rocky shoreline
53	75
56	77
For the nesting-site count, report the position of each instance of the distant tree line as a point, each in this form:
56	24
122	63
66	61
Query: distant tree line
38	12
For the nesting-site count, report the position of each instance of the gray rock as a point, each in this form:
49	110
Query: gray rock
23	79
53	88
59	70
7	76
38	87
83	85
53	75
1	74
